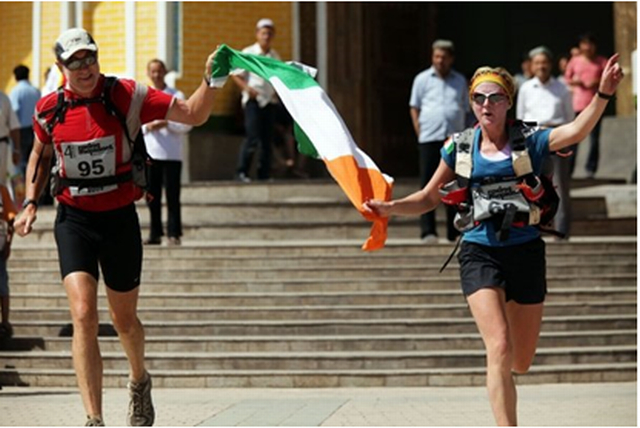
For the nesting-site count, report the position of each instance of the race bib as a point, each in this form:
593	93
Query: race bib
91	159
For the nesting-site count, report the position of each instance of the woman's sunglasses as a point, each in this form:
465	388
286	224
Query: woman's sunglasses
493	98
76	64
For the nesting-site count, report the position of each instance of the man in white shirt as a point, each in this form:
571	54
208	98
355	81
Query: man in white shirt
258	98
438	107
545	100
9	131
164	140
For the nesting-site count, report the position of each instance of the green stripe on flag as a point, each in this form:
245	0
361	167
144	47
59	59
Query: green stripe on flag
228	59
305	146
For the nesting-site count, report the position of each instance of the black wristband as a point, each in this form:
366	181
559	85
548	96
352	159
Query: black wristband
605	96
28	202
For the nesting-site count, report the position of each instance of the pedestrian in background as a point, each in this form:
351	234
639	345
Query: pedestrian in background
563	60
164	141
24	97
583	74
546	101
258	99
9	136
8	212
525	72
438	107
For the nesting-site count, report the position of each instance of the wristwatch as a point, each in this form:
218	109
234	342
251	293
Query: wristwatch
28	202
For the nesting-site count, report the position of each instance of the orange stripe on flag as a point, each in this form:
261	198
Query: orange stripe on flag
360	185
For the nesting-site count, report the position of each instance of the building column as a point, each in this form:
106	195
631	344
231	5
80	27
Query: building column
130	39
295	31
78	14
65	16
161	25
36	22
321	43
625	28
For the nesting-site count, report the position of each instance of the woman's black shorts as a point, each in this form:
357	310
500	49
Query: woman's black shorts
110	238
519	269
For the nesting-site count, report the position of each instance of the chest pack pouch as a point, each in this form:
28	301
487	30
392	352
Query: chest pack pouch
140	159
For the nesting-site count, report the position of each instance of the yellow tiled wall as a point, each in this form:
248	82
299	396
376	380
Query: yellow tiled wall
206	25
109	33
146	33
15	40
49	32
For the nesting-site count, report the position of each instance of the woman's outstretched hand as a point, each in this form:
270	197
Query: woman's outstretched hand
377	207
611	76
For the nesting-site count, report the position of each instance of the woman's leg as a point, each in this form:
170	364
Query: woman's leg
489	310
524	325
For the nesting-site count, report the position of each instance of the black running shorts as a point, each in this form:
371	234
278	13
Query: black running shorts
111	239
519	269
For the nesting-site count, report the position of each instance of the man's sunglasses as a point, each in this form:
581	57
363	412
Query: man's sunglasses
493	98
76	64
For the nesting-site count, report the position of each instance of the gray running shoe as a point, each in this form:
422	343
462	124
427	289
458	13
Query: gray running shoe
141	413
94	422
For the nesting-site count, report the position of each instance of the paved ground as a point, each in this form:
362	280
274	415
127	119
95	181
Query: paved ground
613	404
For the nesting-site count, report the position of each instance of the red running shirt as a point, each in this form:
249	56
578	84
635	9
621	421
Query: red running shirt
90	142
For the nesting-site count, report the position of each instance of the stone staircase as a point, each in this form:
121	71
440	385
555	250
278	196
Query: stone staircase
270	288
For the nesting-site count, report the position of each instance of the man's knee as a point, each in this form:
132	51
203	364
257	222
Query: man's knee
85	318
125	323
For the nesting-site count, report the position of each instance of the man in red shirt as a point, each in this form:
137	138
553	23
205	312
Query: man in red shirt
583	75
97	223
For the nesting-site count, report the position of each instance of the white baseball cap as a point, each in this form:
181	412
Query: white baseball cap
72	41
443	44
265	22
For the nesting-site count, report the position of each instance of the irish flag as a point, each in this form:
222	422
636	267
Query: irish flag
319	130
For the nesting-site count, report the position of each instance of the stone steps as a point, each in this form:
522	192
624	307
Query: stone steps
298	210
320	343
417	311
287	285
335	326
306	190
271	288
209	301
304	262
424	270
23	248
406	360
571	373
353	230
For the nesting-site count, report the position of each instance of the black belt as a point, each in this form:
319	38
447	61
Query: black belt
83	183
4	140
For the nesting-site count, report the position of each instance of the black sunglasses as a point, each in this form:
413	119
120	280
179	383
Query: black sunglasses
76	64
495	98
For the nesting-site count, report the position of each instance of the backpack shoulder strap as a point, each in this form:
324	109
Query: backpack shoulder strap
518	133
463	145
109	84
57	112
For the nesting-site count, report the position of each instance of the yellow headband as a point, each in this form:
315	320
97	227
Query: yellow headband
492	78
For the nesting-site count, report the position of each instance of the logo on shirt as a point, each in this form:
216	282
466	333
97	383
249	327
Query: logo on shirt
91	149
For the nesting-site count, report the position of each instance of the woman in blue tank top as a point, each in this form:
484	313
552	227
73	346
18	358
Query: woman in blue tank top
504	281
